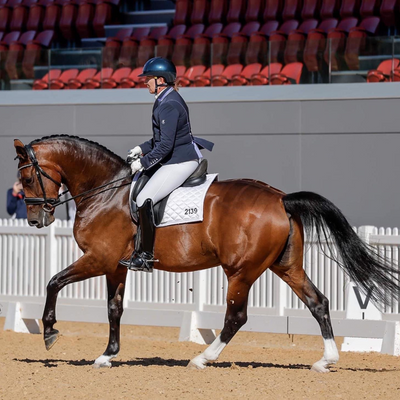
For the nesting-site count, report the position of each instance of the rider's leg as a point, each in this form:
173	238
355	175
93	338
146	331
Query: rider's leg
161	184
165	180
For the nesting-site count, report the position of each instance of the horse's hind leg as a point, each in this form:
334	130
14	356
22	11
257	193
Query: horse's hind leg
116	290
235	318
290	269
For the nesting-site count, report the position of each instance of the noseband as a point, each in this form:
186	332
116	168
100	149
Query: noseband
48	203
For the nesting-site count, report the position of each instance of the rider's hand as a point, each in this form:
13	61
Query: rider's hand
133	154
136	166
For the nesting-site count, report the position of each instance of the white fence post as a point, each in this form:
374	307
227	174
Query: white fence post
16	323
189	330
280	300
51	252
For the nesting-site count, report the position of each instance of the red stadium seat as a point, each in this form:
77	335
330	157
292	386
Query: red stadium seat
133	80
34	52
277	39
183	10
273	10
187	79
165	43
369	8
291	10
36	15
205	79
220	42
350	8
183	45
384	72
200	12
6	11
254	10
42	84
95	82
296	41
356	41
114	80
290	74
244	78
311	9
8	38
15	54
62	80
113	45
201	49
218	11
84	18
238	45
225	78
390	13
336	43
20	15
262	78
106	13
236	11
316	44
78	81
52	15
67	24
330	9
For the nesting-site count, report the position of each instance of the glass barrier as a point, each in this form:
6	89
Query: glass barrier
241	62
356	59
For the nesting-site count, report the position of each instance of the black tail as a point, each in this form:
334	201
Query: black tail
364	266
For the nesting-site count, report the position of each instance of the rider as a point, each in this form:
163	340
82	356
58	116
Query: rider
170	157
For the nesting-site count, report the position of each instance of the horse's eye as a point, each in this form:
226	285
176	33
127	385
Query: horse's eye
28	181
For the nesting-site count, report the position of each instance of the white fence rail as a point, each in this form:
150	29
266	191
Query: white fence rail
30	257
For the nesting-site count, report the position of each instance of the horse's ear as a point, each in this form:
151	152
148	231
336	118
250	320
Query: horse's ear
20	149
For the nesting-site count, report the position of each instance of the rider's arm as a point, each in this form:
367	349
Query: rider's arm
169	117
146	146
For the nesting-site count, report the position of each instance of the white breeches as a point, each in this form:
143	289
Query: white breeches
166	179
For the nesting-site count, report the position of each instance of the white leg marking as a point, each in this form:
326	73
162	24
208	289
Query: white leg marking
331	356
104	361
210	354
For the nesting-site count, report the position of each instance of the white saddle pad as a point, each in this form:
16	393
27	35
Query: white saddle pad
186	204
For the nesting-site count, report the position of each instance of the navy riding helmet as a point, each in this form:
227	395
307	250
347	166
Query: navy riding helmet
159	66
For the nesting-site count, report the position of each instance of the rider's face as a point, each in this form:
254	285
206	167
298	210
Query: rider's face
151	84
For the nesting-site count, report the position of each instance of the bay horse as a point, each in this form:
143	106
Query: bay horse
248	227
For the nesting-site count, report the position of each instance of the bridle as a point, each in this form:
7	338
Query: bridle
50	203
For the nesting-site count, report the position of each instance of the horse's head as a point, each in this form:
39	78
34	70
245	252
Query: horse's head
41	182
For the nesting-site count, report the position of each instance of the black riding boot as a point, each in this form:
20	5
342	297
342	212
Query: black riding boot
143	258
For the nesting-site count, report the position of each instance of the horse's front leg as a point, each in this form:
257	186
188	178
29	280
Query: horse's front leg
235	318
116	290
84	268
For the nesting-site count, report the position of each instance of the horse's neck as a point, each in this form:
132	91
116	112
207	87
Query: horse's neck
88	169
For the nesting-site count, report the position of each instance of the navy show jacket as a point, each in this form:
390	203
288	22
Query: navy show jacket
172	140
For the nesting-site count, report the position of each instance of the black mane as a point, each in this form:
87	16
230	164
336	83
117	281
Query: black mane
79	139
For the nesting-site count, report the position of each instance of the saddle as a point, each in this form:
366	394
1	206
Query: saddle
198	177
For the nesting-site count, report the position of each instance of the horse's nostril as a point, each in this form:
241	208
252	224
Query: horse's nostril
33	222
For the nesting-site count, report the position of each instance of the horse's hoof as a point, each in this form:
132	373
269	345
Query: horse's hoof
193	365
51	340
317	367
102	365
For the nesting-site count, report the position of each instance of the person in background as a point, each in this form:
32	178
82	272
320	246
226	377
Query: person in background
15	200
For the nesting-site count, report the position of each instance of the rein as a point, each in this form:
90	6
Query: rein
49	204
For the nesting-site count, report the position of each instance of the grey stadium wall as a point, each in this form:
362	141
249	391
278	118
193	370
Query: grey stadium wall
341	141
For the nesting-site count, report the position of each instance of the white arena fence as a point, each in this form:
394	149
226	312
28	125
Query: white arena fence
193	301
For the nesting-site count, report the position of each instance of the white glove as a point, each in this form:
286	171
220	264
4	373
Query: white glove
136	166
134	154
